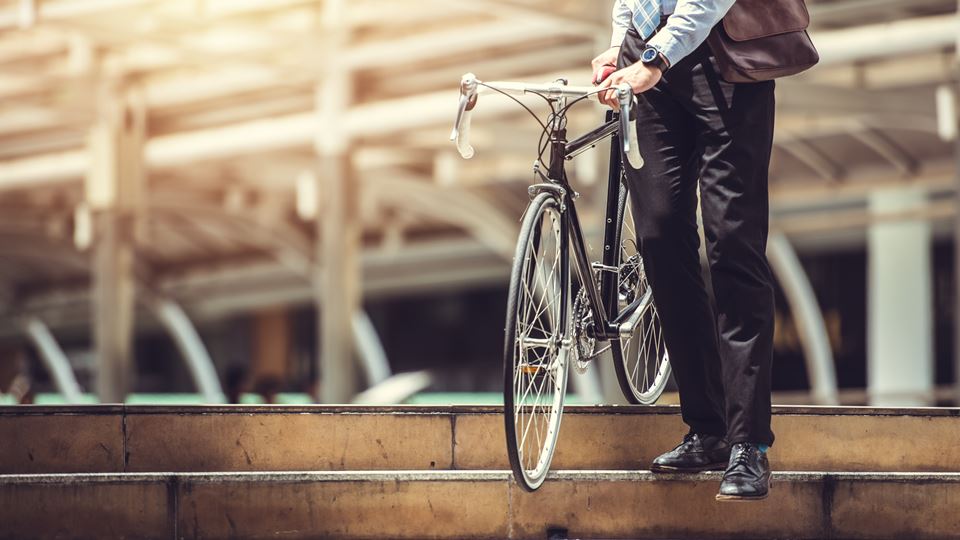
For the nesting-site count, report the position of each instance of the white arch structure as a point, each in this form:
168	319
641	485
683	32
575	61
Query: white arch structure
808	318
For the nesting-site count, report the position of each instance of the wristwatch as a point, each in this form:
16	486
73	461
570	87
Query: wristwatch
652	57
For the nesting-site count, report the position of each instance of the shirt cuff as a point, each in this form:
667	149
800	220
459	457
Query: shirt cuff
670	47
619	33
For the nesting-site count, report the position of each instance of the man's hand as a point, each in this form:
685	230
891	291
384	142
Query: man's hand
639	76
606	58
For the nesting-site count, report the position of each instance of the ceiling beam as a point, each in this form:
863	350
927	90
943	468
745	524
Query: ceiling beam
873	41
811	156
798	95
53	10
376	119
889	150
507	10
852	11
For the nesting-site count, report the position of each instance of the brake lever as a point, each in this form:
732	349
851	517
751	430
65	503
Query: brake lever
468	100
461	128
628	127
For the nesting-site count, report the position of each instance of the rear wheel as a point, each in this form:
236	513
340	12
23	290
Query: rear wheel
641	359
537	345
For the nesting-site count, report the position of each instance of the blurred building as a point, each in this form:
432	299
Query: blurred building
265	189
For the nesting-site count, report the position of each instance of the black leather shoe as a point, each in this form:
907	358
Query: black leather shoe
747	478
696	453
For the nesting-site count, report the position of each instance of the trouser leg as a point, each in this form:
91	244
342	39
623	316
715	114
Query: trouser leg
664	199
734	125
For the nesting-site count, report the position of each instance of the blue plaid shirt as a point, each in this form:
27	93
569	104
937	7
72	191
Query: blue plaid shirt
687	27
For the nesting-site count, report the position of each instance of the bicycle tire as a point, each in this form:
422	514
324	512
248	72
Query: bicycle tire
642	366
521	367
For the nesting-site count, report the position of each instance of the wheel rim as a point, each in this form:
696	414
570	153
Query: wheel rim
644	355
540	356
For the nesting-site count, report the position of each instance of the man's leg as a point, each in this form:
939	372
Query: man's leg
735	127
664	199
735	130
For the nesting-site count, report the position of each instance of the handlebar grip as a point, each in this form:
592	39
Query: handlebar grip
463	136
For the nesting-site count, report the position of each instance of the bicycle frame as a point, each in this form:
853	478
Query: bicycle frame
603	301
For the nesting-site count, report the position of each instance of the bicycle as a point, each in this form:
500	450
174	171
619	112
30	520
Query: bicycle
547	327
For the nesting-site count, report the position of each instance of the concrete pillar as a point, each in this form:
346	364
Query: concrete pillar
338	225
113	190
900	367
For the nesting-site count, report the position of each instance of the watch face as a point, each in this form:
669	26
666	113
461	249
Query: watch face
648	55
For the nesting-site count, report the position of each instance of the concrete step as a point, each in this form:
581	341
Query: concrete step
473	504
328	438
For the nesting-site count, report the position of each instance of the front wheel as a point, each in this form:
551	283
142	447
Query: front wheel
641	359
537	345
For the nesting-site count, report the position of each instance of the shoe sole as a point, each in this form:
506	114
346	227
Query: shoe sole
669	469
743	498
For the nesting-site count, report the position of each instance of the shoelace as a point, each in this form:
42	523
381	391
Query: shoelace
742	457
686	439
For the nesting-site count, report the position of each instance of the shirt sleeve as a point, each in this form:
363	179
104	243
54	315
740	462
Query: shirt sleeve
687	27
622	19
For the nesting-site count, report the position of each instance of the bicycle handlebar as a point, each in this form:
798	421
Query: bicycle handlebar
470	89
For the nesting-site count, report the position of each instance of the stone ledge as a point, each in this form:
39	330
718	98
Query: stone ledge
476	504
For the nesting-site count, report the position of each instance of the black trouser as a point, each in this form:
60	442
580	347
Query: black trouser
694	125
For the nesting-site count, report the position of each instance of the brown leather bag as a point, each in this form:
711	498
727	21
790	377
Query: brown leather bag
759	40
